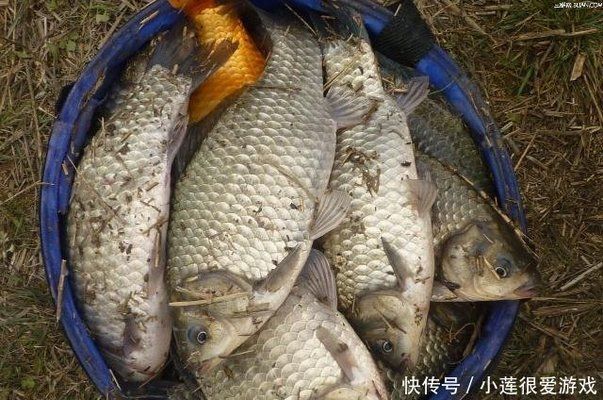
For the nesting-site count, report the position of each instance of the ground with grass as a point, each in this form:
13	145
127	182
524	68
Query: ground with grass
540	68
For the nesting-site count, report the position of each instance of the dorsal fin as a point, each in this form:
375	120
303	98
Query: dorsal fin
348	108
319	279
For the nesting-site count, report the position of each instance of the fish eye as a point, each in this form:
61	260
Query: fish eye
387	346
197	335
503	266
501	271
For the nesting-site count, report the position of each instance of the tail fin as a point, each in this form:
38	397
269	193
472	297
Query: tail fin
342	22
178	51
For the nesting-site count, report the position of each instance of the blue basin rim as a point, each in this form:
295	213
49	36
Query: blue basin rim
71	129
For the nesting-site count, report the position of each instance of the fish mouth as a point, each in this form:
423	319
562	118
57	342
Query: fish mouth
526	291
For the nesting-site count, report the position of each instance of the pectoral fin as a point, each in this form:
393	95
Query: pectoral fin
441	293
285	274
318	277
347	108
331	211
425	194
397	262
131	339
418	89
155	282
340	352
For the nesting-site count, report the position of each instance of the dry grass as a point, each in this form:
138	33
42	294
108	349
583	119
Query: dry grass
517	53
43	46
522	54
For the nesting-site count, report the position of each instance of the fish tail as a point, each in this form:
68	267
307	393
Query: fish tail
178	51
341	21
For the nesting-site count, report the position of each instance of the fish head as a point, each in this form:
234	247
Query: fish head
380	319
204	340
207	321
488	261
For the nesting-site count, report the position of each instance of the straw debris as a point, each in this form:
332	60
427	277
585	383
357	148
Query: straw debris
539	67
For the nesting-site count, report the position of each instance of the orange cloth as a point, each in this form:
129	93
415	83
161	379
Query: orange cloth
213	24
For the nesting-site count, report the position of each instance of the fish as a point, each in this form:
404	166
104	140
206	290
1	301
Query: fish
449	336
448	153
307	350
116	223
253	197
215	21
438	131
480	255
383	250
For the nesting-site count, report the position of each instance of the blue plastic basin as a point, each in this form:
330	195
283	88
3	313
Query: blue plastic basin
72	128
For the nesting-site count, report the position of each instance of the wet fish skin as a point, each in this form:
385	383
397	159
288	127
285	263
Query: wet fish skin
447	336
480	255
120	202
292	355
437	131
445	145
246	208
382	253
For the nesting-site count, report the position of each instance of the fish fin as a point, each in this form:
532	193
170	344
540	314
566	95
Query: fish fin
340	352
131	339
454	314
331	210
347	108
338	22
441	293
178	51
425	193
157	263
398	264
195	134
213	57
318	277
285	274
423	168
418	89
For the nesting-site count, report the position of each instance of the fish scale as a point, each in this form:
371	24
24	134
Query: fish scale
457	204
119	201
286	356
438	131
375	165
442	348
386	145
242	200
252	199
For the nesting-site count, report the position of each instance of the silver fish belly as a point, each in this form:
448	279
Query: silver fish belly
117	223
307	350
245	209
382	253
